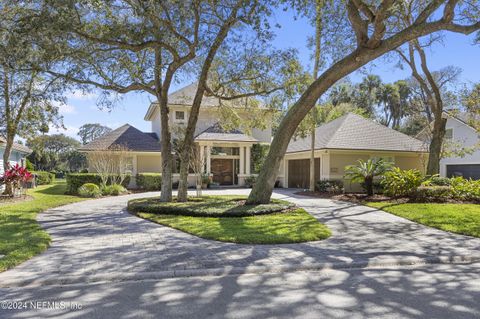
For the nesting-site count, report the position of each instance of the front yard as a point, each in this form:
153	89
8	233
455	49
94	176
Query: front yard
21	237
456	218
225	218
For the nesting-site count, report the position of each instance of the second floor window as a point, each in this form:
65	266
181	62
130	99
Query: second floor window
179	115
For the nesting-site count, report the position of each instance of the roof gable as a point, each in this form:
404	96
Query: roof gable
16	147
354	132
217	133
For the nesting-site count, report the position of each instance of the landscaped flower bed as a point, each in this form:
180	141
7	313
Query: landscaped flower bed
226	218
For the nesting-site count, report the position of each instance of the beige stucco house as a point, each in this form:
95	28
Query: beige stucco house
226	154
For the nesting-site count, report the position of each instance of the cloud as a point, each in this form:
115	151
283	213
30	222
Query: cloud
69	131
66	109
80	95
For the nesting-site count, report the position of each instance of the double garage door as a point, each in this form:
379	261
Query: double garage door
467	171
299	173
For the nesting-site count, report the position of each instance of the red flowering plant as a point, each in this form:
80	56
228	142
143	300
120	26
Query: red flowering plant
15	176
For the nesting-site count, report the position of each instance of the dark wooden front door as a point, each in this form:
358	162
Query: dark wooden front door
299	173
222	170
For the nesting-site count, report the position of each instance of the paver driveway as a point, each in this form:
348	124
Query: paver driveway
98	240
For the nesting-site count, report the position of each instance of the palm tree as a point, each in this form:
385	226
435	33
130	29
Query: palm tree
365	171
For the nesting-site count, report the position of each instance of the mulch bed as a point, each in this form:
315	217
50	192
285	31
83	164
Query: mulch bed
360	198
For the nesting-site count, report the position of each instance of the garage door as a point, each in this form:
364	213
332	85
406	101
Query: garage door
467	171
299	173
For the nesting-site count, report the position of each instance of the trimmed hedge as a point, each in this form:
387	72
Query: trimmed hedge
433	193
149	181
76	180
43	178
207	206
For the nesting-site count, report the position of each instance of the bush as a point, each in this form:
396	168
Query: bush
438	181
29	165
149	181
43	178
250	181
397	182
89	190
335	186
76	180
465	189
433	193
113	190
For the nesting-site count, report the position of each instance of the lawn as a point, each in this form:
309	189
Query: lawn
291	225
456	218
21	237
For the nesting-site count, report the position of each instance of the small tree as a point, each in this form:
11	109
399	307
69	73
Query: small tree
111	165
365	172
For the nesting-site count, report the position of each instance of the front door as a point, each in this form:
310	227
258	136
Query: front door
222	171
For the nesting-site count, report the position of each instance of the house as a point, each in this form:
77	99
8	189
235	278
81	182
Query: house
460	133
226	154
17	155
343	142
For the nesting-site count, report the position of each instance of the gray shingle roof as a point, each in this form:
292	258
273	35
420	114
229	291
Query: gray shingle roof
217	133
128	136
17	147
354	132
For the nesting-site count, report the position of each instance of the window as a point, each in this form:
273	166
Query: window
179	115
449	133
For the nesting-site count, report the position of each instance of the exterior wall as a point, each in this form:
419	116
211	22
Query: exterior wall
333	163
465	135
149	163
156	124
15	157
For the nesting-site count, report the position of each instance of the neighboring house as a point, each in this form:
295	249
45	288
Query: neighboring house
343	142
461	134
226	154
17	155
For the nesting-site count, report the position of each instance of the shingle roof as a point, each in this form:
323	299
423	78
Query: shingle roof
17	147
127	136
354	132
217	133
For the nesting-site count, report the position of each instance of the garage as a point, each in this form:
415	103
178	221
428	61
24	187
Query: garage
464	170
299	173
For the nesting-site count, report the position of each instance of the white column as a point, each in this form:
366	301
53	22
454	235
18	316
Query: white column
242	160
208	159
325	164
202	158
247	162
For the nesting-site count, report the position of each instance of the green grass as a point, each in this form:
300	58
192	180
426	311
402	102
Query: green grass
288	226
21	237
207	206
456	218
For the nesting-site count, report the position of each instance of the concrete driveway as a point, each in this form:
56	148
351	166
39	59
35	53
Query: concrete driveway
98	240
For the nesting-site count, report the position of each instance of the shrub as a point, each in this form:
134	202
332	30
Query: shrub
397	182
43	178
29	165
89	190
364	172
335	186
438	181
113	190
149	181
76	180
465	189
250	181
433	193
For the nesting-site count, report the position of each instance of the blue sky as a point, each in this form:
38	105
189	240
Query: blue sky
457	50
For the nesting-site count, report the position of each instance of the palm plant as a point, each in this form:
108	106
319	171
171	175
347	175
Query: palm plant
365	171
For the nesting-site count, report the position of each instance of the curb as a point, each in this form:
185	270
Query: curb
230	270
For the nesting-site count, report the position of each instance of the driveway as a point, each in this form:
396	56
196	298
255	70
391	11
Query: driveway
98	240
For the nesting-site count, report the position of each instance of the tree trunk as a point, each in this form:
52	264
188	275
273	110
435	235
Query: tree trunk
433	166
183	182
312	161
8	191
369	186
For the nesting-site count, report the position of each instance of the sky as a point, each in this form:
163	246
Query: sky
456	50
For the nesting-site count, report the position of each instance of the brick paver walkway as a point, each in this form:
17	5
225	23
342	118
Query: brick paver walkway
98	240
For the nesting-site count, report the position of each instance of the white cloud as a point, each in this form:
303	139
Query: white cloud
69	131
80	95
66	109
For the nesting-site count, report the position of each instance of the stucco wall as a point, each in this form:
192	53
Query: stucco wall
465	135
149	164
